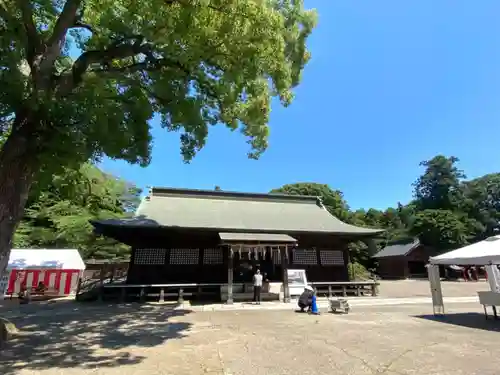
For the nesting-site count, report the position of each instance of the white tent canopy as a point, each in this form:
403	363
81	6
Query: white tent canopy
45	258
480	253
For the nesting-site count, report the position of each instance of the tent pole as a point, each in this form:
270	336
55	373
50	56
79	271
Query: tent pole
436	291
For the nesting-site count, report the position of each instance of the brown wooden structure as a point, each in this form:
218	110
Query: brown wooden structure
403	260
205	238
96	269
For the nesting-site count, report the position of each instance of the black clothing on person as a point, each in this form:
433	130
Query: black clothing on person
256	293
305	299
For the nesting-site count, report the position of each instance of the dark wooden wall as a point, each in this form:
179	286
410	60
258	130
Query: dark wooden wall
393	267
178	273
402	267
320	272
217	273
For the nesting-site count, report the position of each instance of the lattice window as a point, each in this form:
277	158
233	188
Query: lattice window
276	255
149	257
331	257
305	257
184	256
213	256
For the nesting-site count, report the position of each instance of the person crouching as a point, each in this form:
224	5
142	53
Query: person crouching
305	299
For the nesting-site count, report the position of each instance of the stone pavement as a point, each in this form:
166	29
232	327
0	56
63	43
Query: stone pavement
421	288
73	308
402	292
323	303
145	340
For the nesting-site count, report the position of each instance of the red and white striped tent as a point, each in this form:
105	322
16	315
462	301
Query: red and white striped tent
58	269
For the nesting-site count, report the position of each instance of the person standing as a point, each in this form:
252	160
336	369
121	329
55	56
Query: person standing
257	286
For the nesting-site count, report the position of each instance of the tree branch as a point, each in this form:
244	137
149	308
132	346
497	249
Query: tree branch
66	20
53	47
32	36
81	25
69	81
150	66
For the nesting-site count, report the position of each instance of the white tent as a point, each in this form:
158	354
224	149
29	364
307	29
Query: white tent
68	259
58	269
484	253
478	254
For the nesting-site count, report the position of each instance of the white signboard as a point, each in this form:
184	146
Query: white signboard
297	281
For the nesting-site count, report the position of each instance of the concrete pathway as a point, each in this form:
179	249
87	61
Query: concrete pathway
323	303
78	309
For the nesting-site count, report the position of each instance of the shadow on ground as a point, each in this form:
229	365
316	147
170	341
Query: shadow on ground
469	320
88	336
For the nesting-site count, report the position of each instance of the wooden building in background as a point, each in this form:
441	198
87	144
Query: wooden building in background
403	260
206	237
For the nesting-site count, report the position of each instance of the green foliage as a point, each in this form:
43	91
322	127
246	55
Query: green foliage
195	63
439	186
357	271
333	200
441	229
482	203
192	64
59	214
447	212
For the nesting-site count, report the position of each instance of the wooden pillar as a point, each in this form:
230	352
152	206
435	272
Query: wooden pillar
101	282
284	267
113	270
229	276
180	297
78	287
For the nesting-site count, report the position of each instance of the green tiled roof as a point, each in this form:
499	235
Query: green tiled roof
238	212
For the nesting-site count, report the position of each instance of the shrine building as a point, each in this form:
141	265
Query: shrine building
216	239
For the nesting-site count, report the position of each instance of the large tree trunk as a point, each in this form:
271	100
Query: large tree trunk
18	165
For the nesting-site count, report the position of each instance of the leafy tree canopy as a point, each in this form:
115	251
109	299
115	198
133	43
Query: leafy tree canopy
482	203
95	71
333	200
447	211
80	79
59	215
439	186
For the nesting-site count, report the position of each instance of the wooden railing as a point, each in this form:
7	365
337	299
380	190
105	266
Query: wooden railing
181	291
159	290
333	288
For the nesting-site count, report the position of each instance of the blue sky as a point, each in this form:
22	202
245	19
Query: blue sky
390	83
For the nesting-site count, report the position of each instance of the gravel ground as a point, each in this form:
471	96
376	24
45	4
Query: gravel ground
421	288
145	340
73	339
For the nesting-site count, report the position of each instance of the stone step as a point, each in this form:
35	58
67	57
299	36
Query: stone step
238	297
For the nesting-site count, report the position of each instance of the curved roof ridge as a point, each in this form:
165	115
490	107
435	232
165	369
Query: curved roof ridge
169	191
